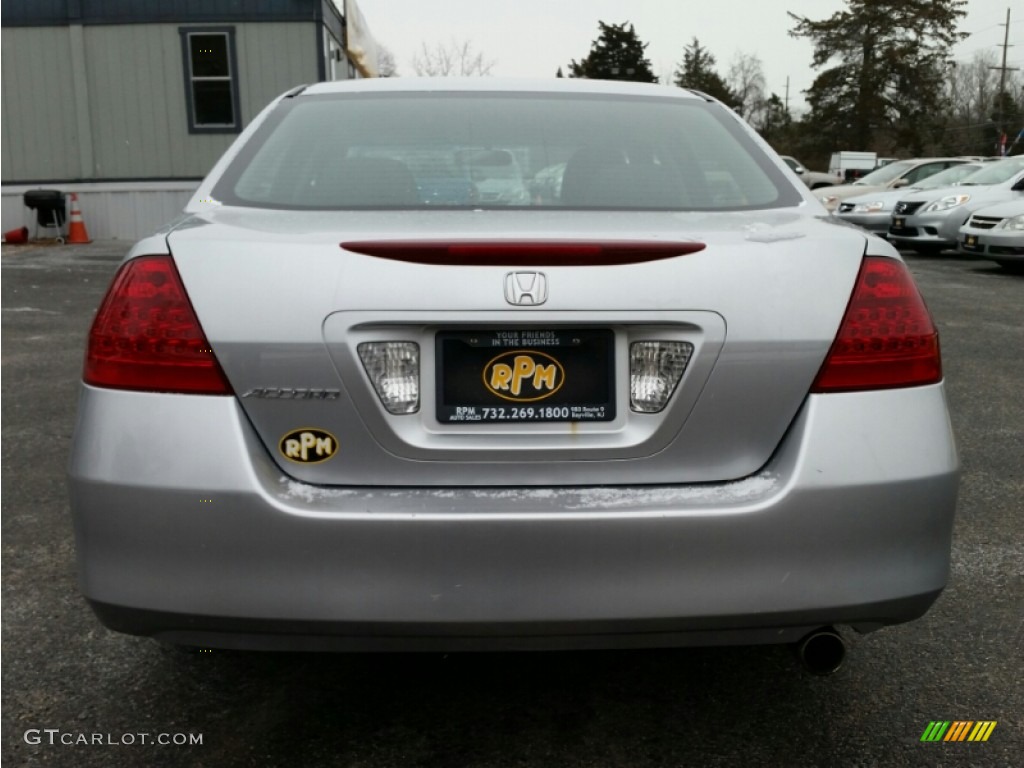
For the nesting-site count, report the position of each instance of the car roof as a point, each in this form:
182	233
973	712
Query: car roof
920	160
497	84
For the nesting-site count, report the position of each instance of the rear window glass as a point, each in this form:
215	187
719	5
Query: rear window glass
483	150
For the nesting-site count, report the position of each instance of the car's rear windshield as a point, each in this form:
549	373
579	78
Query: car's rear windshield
483	150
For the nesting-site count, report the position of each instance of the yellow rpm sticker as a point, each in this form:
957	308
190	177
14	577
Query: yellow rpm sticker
524	375
308	445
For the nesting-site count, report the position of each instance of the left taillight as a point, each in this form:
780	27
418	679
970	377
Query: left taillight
146	335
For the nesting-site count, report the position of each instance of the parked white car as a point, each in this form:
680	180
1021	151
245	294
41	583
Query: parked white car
813	179
996	233
497	176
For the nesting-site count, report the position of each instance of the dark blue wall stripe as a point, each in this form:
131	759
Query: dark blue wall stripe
55	13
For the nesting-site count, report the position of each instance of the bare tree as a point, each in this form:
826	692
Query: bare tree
971	89
747	83
972	86
455	58
386	66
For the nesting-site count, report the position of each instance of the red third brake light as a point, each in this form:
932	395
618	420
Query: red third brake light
524	253
146	336
887	338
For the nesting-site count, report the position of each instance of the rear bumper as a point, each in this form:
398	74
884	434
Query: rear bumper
343	636
186	531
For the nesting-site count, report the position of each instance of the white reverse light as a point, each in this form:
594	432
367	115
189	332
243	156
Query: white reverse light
655	368
394	371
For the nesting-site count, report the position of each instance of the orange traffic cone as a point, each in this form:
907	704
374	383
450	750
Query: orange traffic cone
77	233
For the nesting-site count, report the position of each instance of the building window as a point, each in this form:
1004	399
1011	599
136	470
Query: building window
211	79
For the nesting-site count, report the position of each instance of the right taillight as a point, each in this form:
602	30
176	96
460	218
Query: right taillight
887	338
146	335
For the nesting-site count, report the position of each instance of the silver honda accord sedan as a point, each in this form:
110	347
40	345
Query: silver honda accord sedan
355	400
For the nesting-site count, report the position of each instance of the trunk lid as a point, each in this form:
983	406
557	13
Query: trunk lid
285	307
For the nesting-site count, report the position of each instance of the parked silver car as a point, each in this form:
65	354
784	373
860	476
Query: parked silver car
996	233
930	221
320	412
901	173
873	212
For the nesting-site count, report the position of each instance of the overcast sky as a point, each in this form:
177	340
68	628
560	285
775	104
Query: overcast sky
532	38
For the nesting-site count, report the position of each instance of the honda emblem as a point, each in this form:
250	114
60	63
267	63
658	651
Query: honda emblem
526	289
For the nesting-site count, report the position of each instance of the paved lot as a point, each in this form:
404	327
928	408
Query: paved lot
704	707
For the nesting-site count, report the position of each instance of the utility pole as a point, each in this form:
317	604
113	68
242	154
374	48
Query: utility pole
1001	96
787	93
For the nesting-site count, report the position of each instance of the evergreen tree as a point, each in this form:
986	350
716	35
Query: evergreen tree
698	72
886	62
617	54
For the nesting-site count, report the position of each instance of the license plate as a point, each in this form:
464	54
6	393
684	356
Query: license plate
899	223
525	375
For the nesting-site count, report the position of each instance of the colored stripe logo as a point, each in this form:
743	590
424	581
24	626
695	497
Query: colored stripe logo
958	730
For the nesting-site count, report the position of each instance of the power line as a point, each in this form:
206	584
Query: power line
979	31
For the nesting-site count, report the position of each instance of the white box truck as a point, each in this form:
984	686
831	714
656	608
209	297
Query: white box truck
850	166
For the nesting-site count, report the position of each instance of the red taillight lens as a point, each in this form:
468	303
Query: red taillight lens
146	336
887	338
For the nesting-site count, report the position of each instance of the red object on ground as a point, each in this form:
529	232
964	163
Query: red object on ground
16	236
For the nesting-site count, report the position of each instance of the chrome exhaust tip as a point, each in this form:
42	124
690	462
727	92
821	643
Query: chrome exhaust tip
822	651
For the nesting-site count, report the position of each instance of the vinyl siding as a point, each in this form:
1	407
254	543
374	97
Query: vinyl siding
38	111
136	98
110	211
273	59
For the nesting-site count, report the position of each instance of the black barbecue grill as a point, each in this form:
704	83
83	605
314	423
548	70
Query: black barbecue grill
50	210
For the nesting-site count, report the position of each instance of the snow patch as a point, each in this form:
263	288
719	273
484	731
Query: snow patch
311	493
30	309
672	496
574	499
765	233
